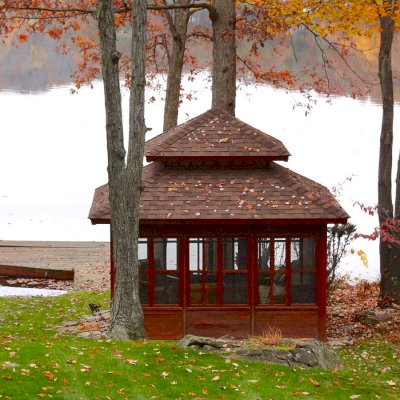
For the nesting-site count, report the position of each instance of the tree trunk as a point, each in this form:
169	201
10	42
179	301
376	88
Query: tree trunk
388	264
224	56
392	288
178	28
126	312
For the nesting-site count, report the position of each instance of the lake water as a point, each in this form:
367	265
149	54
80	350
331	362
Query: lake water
53	155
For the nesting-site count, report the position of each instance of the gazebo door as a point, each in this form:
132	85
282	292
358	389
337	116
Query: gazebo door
217	287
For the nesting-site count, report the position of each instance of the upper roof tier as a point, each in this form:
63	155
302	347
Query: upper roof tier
215	136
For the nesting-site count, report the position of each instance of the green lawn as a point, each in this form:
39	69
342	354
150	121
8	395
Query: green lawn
37	362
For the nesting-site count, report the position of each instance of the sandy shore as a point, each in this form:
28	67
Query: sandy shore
90	261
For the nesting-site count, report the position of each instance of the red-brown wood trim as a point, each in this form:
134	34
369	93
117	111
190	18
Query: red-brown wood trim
204	272
245	221
284	307
253	271
252	276
249	267
271	270
217	222
321	286
161	308
181	268
239	307
184	276
150	255
288	271
220	272
112	266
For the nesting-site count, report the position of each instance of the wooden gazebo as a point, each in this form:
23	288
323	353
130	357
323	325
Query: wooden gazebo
230	241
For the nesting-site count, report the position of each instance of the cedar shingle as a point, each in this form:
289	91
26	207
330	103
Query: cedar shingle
270	193
227	194
215	134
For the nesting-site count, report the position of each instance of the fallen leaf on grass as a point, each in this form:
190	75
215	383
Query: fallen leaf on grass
391	383
355	396
216	378
315	383
48	375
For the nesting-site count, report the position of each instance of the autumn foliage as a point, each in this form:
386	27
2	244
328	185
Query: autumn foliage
265	31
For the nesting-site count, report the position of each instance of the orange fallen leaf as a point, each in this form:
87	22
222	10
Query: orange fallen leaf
48	375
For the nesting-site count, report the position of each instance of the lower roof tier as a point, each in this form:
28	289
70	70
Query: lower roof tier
275	193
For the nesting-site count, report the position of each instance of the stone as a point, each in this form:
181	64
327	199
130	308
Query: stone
85	334
372	317
206	342
70	323
337	344
309	353
200	341
227	337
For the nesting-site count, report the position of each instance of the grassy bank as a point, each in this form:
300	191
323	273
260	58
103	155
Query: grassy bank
37	362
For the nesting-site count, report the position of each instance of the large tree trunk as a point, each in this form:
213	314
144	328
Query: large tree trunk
224	55
178	28
389	262
392	287
124	189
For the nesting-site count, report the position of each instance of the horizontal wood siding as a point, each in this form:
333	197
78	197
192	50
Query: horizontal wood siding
163	323
218	322
294	323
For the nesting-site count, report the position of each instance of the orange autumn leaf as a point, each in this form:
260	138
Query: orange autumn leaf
22	38
49	375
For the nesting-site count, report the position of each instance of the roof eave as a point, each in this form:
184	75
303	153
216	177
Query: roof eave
217	159
308	221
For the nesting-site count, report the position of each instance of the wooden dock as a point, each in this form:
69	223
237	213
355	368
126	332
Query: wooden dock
55	260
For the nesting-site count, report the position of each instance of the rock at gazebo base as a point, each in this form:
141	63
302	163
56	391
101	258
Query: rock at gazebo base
305	353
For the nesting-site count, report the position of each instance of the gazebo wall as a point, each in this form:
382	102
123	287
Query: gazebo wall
198	299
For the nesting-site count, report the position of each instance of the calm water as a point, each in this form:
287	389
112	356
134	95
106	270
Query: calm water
53	156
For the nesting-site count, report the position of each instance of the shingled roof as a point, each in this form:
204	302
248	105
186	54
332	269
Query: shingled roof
214	135
272	194
268	192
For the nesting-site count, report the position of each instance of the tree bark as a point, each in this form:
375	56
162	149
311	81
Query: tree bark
126	313
389	260
178	27
224	56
